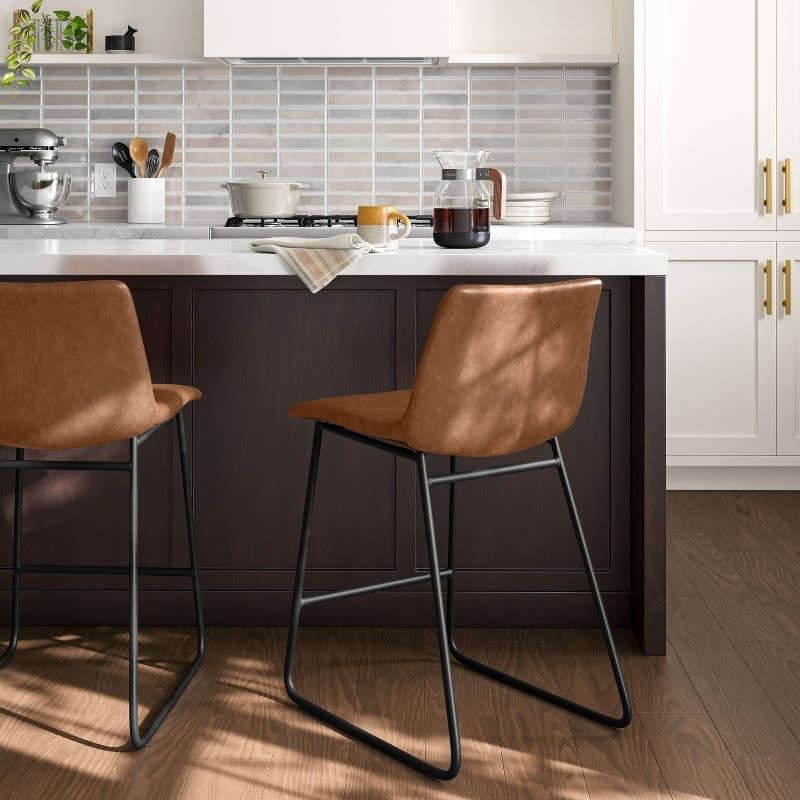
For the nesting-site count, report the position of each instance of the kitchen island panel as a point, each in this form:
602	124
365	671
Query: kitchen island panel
256	354
257	345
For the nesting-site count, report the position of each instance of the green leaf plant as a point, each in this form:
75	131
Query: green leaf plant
74	36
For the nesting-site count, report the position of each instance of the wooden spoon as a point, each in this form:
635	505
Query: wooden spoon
167	154
139	151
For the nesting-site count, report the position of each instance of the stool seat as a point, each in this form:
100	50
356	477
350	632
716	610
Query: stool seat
171	398
379	415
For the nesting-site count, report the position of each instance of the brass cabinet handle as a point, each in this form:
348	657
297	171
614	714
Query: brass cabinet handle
787	185
787	286
768	286
768	185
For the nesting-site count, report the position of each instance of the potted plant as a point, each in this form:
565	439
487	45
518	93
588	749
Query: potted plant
75	35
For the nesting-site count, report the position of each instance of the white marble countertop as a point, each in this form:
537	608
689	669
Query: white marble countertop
590	231
232	257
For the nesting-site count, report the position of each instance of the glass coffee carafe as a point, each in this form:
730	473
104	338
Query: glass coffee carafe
461	203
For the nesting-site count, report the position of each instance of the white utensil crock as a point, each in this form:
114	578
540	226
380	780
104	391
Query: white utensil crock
147	200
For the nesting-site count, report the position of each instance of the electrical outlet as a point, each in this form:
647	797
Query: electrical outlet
105	180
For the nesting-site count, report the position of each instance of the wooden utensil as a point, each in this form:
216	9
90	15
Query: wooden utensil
153	163
122	157
167	154
139	152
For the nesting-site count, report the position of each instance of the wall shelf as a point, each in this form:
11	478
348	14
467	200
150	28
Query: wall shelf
106	59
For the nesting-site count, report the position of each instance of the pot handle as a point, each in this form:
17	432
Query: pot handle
498	179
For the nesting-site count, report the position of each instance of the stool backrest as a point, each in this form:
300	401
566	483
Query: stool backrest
71	360
504	367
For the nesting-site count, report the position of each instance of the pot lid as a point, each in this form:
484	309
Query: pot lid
264	180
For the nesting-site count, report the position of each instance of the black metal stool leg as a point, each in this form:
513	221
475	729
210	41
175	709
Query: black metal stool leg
342	725
16	567
139	738
616	722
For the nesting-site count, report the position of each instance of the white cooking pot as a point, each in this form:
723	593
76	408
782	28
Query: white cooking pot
264	196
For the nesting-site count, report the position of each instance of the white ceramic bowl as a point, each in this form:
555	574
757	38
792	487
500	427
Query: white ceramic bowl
264	196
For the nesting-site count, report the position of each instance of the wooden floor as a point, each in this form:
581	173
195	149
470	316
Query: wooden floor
718	718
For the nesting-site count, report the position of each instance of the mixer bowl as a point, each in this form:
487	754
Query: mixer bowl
40	192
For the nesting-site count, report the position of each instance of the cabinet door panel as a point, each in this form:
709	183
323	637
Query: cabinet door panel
788	356
720	350
322	29
529	27
249	454
788	105
709	113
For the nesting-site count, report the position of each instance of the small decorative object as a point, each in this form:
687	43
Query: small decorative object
126	43
53	32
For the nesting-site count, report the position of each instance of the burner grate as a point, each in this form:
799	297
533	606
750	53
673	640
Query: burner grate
315	221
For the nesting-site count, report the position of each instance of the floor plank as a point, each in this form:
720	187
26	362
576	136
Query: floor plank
234	757
539	755
161	769
310	759
616	763
482	774
771	778
41	688
693	757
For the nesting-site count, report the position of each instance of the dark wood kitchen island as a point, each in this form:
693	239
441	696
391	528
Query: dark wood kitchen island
248	334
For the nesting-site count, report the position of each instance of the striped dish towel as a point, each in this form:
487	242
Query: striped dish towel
317	261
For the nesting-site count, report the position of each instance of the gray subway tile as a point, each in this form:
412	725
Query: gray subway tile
547	128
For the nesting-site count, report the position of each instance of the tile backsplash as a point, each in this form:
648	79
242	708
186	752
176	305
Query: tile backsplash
353	134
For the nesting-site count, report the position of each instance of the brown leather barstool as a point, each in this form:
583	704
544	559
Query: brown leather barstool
73	373
504	369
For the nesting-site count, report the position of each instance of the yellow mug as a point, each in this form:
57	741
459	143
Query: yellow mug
378	225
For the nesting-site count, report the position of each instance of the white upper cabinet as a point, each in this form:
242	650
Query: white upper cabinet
710	121
788	152
326	30
519	31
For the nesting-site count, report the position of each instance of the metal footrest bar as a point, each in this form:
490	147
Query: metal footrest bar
66	466
457	477
79	569
503	677
323	714
375	587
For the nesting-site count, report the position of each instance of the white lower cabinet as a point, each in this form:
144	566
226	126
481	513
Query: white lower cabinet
722	348
788	352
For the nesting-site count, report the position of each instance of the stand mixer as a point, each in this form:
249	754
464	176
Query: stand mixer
31	196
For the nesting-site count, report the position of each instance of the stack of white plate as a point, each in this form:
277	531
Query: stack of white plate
528	208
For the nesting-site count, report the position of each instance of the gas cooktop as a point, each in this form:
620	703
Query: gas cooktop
307	225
